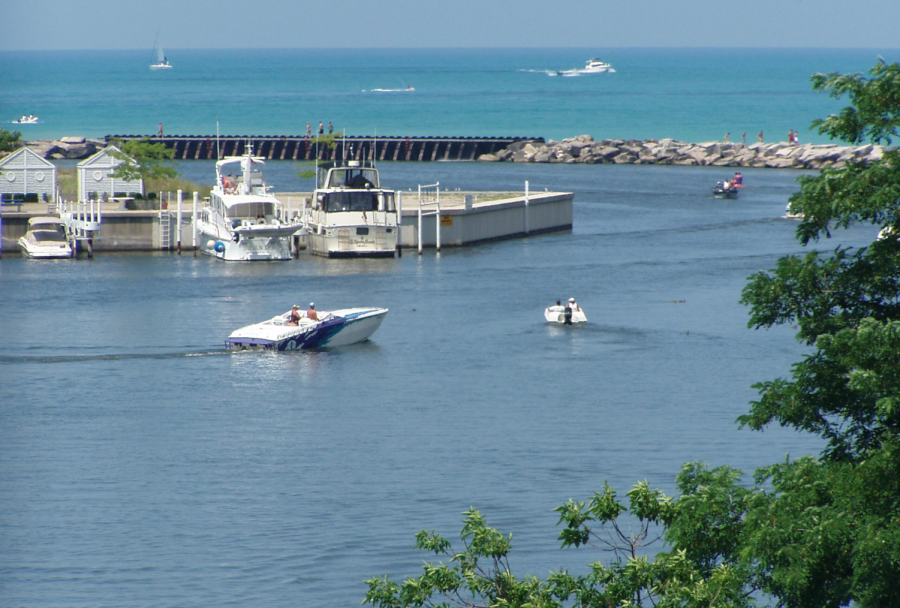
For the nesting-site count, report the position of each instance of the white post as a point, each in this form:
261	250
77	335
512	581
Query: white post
437	218
399	223
420	220
180	196
526	206
194	219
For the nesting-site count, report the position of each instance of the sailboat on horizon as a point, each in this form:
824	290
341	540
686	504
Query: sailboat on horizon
162	63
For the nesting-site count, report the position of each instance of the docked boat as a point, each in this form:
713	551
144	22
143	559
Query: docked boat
350	214
46	237
243	221
595	66
335	328
558	314
725	190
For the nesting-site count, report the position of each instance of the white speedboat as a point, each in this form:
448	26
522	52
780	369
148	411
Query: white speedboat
595	66
46	238
335	328
243	221
725	190
26	120
350	214
557	314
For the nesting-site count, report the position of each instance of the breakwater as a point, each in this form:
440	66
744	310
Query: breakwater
284	147
780	155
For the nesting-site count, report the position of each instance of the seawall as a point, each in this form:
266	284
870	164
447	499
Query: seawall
781	155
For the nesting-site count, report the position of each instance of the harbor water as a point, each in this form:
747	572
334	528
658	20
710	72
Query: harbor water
143	465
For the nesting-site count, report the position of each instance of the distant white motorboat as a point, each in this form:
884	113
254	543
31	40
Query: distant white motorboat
46	238
26	120
335	328
595	66
162	63
243	221
559	313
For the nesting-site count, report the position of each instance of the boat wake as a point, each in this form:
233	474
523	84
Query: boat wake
12	359
407	89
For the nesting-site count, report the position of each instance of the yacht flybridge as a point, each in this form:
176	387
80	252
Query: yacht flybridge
243	220
350	214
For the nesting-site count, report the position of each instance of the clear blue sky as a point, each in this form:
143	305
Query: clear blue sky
132	24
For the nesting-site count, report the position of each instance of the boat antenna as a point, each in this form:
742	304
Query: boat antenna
344	146
218	151
375	144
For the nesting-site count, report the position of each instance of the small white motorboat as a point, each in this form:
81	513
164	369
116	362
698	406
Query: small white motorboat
725	190
335	328
559	313
46	238
26	120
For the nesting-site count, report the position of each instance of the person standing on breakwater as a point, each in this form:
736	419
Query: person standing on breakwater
744	138
330	128
726	137
760	137
321	128
159	132
308	130
791	137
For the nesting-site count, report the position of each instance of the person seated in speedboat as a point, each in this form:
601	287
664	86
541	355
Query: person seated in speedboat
294	315
311	313
737	180
557	308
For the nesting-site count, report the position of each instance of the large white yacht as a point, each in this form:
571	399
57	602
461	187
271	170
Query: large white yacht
595	66
243	221
350	214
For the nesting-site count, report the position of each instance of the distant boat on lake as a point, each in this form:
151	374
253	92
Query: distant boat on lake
162	63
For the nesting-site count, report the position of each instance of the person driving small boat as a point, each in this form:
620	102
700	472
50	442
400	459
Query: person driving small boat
311	313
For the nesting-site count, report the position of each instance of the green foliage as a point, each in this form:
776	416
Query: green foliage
10	140
324	142
874	112
144	160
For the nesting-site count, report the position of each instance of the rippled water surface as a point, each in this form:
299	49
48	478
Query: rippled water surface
142	465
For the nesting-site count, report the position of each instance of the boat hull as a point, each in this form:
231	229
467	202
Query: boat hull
45	252
264	248
339	328
559	317
345	242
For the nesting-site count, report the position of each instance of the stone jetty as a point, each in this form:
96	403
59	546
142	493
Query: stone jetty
66	148
583	149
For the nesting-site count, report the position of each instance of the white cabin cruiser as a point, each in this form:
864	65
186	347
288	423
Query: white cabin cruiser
46	237
335	328
595	66
243	221
559	313
350	214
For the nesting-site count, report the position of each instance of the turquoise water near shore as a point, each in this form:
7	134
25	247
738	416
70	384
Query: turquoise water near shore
686	94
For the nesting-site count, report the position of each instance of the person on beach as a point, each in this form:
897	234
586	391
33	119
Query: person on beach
311	313
760	137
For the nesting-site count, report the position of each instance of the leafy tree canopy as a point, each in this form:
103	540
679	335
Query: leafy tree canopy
9	140
144	160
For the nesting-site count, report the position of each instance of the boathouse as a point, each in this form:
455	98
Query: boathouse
95	181
25	172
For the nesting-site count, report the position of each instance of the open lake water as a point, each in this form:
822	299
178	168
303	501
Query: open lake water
142	465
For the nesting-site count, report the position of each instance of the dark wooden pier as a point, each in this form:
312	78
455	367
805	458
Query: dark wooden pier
284	147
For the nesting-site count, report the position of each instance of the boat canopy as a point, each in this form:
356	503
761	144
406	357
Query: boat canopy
357	178
45	223
355	200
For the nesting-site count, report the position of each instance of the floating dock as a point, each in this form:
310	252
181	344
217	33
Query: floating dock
294	147
463	219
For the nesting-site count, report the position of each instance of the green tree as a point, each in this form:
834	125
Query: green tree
9	140
827	532
144	160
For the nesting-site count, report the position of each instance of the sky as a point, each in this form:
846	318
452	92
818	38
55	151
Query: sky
133	24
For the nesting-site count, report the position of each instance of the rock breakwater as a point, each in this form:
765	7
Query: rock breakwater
583	149
66	148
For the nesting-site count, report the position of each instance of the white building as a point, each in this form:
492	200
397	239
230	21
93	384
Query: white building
26	172
94	178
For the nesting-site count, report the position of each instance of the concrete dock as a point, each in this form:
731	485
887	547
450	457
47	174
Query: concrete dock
466	218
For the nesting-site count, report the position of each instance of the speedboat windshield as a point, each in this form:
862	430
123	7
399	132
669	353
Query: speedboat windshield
48	236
